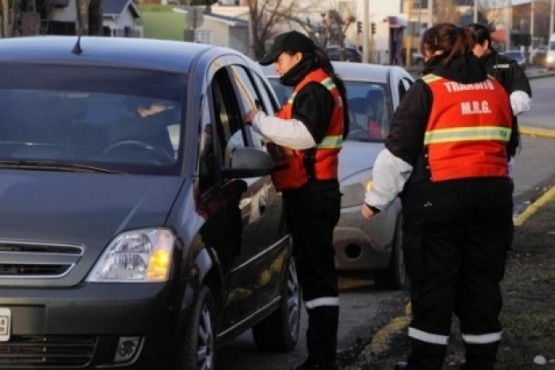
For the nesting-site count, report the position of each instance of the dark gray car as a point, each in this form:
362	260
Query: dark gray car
132	233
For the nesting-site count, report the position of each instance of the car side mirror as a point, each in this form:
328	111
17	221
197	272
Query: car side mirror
248	162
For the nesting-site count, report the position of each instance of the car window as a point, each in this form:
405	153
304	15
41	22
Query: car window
266	94
121	120
282	92
369	111
249	97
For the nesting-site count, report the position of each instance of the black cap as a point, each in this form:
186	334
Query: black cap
289	41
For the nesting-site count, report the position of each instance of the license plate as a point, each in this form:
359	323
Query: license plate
5	324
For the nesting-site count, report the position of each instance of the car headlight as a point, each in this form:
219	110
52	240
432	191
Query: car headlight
143	255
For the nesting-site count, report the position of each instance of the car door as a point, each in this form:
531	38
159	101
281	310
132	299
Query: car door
254	262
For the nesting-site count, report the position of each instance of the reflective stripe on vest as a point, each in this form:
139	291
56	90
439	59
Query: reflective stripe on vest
290	171
467	133
468	129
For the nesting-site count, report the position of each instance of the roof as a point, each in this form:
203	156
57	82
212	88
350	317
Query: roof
230	21
116	7
140	53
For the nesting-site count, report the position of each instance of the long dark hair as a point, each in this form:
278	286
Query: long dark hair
481	33
324	62
450	40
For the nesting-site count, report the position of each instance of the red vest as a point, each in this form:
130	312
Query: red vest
468	129
290	171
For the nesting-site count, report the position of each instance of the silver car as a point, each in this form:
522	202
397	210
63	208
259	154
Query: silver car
374	92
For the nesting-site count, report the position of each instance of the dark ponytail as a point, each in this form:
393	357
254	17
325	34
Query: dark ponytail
323	61
450	40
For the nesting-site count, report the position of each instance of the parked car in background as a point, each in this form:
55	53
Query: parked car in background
538	56
347	53
374	92
518	56
550	56
130	238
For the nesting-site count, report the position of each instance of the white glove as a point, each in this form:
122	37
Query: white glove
520	102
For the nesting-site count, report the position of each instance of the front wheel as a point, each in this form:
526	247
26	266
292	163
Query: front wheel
280	331
197	349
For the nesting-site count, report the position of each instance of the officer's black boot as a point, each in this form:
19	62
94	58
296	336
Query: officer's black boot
321	335
401	366
480	356
426	356
321	339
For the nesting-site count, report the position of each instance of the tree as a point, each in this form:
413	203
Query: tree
264	15
7	18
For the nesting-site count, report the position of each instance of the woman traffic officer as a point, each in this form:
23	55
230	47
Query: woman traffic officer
305	138
447	157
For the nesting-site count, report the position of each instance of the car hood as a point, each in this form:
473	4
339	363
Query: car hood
84	209
356	158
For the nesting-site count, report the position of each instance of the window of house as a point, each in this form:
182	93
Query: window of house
203	36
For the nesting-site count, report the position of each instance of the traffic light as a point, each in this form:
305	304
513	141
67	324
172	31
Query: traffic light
359	27
373	28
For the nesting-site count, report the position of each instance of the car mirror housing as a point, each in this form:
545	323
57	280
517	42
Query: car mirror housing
248	162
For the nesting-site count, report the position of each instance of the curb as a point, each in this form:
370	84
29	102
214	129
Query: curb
537	132
549	195
535	206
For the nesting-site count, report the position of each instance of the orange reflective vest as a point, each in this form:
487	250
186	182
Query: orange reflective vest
468	129
290	171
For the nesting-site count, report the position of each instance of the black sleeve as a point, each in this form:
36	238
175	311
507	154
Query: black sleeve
314	106
406	138
517	79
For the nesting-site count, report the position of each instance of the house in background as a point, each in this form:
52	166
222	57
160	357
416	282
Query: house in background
120	18
220	30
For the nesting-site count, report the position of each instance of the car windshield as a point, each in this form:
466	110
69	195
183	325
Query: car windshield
112	120
369	115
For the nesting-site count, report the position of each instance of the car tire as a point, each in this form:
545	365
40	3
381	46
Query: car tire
395	275
198	345
279	332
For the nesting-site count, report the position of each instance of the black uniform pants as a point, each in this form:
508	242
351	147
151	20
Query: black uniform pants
455	261
311	217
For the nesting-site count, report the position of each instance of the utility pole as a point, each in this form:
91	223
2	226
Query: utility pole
430	13
532	13
551	15
365	33
475	12
408	42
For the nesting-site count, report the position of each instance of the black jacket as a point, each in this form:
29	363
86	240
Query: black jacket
406	141
507	72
